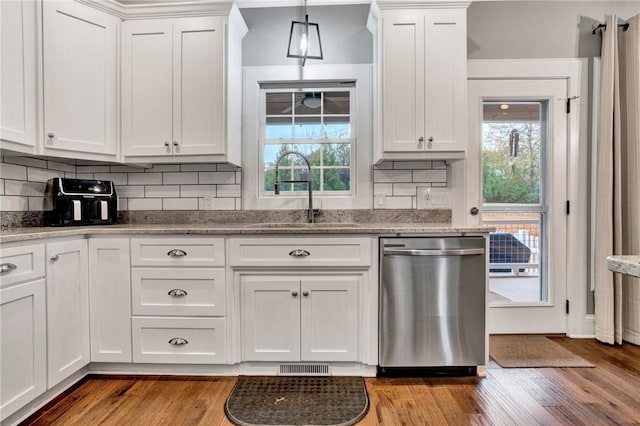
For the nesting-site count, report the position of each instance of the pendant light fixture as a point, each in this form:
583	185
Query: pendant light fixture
304	39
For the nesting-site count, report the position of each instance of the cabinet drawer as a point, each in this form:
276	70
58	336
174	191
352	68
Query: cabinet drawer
177	252
179	340
178	291
332	252
21	264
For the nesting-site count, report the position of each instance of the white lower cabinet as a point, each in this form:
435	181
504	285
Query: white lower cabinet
110	299
178	298
170	340
23	348
300	317
67	309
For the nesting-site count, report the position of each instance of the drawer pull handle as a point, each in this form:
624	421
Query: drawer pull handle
178	341
176	253
177	292
299	253
7	267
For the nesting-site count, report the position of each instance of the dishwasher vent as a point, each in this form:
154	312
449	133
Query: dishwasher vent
304	370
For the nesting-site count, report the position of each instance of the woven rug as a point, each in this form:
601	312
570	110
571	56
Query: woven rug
531	351
297	401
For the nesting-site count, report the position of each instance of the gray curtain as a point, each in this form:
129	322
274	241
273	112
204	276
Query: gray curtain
617	221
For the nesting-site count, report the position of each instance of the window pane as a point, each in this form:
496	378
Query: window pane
308	128
272	152
336	127
279	128
279	104
310	150
336	103
336	154
269	179
337	179
511	154
308	103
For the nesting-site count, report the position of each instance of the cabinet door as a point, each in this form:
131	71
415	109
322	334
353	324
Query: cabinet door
23	348
270	318
146	88
445	84
67	309
110	299
18	75
329	318
403	60
80	60
198	126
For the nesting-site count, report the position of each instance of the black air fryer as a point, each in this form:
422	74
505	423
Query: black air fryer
79	202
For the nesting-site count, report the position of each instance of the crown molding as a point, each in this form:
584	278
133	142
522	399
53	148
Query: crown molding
161	10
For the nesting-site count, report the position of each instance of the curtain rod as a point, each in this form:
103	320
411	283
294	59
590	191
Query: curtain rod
624	27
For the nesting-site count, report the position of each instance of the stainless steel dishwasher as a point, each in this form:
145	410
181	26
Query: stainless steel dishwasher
432	303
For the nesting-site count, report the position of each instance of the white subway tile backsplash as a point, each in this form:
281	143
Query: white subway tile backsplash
180	204
416	165
165	168
42	175
162	191
392	176
145	178
212	167
225	178
84	175
383	189
229	191
13	171
223	167
126	169
10	203
36	204
26	161
130	191
144	204
93	169
197	191
429	176
64	167
116	178
123	203
224	204
1	186
405	189
399	203
439	164
384	165
24	188
180	178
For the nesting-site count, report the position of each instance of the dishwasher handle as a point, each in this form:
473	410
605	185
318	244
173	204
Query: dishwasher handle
434	252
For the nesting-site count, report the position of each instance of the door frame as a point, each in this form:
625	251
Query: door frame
579	323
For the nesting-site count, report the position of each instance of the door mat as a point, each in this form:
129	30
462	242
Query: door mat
262	400
531	351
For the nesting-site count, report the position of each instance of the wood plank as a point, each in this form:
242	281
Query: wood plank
606	394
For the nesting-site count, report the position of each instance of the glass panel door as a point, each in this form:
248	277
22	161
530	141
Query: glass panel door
514	138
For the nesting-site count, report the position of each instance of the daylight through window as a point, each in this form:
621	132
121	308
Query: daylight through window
319	125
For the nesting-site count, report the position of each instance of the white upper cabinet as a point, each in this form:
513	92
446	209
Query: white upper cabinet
18	112
423	78
80	81
175	89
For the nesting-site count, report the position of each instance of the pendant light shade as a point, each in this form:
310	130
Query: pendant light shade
304	39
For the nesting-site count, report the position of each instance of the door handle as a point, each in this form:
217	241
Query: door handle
436	252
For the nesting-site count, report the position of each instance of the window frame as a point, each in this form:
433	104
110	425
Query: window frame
326	77
351	140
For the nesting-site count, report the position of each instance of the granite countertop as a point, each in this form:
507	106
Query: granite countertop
246	229
625	264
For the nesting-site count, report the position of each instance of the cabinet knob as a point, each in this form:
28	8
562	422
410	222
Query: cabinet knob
177	292
178	341
305	293
167	147
50	137
421	139
474	211
299	253
176	253
176	147
7	267
294	293
54	258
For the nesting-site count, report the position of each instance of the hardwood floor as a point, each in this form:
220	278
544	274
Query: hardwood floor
606	394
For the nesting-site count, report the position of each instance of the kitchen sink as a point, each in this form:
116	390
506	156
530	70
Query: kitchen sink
285	225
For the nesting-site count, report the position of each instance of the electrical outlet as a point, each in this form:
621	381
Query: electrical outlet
433	198
380	201
208	202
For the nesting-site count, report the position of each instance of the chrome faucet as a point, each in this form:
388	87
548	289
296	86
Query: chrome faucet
310	213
